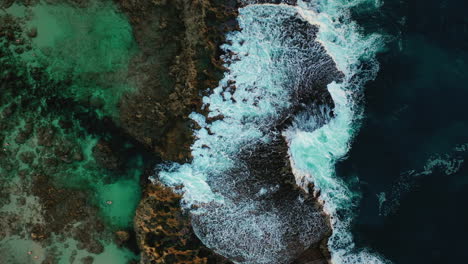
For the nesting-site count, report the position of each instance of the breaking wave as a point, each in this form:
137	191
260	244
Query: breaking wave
314	154
295	75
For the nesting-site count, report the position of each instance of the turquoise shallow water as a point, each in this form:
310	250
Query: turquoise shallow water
91	45
59	89
105	47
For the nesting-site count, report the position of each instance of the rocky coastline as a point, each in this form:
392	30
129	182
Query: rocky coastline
177	62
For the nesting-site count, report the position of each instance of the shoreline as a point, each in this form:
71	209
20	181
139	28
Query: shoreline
154	119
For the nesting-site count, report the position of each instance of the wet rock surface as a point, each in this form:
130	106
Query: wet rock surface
105	156
164	231
268	187
179	59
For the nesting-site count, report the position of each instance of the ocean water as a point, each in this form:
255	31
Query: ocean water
314	154
385	149
410	154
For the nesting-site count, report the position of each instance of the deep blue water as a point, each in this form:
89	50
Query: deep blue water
416	112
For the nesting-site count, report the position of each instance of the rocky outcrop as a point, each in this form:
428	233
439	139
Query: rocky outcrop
105	156
263	182
164	232
316	254
179	58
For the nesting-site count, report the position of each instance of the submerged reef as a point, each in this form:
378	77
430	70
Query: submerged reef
83	87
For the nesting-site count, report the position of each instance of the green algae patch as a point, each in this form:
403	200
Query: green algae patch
91	46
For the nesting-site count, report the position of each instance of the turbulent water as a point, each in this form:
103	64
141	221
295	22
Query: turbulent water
295	74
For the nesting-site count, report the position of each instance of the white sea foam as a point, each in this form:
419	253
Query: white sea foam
269	64
264	66
261	70
315	153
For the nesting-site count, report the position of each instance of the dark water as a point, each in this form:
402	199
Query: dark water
415	113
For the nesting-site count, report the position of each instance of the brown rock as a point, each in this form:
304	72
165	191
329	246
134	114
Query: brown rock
170	78
87	260
96	102
27	157
122	237
50	259
164	232
77	155
32	33
8	111
45	136
105	156
6	3
38	232
95	247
